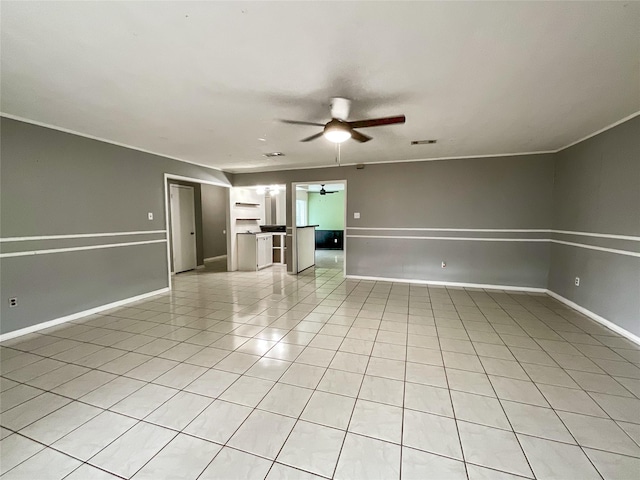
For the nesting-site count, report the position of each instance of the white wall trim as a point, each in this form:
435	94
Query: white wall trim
601	249
101	139
75	316
471	239
594	316
79	235
487	239
598	235
219	257
598	132
77	249
449	284
502	230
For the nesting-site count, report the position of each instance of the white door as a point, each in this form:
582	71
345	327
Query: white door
183	228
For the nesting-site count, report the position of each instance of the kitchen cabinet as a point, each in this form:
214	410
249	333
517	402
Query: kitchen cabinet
255	251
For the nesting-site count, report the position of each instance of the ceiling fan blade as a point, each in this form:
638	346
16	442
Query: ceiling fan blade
312	137
377	122
296	122
359	137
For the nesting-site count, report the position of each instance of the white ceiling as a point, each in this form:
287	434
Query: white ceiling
204	81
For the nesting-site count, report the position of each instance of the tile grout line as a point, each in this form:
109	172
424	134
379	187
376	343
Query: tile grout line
262	355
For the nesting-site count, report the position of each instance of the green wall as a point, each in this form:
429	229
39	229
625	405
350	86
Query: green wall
327	210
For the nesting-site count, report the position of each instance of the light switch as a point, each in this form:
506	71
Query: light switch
356	214
150	215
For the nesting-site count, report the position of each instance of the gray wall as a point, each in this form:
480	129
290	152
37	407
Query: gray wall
198	211
597	190
53	183
215	204
483	193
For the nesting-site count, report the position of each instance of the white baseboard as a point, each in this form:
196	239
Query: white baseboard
594	316
75	316
449	284
211	259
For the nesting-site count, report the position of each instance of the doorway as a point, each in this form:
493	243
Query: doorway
211	218
183	228
323	204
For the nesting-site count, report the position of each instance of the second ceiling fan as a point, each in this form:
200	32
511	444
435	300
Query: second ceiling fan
338	129
323	191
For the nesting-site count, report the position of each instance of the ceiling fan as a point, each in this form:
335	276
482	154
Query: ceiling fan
323	191
338	129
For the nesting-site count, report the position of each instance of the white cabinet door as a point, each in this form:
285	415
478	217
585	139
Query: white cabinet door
261	256
265	250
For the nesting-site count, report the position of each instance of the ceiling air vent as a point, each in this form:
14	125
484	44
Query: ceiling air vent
423	142
274	154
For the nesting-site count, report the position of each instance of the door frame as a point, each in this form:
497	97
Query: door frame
167	207
294	235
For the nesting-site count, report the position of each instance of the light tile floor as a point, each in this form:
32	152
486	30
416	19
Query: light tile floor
267	375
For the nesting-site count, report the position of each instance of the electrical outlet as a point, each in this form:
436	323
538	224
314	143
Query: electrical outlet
356	214
577	281
13	302
444	264
150	215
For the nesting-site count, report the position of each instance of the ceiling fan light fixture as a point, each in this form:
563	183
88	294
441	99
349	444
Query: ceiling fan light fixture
337	132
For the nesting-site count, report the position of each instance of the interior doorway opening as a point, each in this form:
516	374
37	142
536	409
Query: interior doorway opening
320	205
182	215
197	218
257	227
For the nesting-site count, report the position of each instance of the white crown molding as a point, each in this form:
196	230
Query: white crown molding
279	169
101	139
434	159
608	127
75	316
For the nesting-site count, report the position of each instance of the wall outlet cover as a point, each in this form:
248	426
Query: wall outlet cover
13	302
577	281
150	215
444	264
356	214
